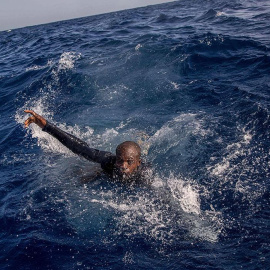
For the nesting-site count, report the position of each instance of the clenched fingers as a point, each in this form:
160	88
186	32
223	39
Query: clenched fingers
29	121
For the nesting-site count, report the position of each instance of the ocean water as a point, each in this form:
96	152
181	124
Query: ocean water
189	80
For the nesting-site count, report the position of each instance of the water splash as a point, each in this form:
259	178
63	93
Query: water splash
67	60
166	214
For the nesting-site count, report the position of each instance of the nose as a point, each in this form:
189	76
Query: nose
123	166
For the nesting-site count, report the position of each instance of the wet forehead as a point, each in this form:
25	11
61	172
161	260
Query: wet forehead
127	153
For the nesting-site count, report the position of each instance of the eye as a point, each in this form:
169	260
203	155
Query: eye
130	162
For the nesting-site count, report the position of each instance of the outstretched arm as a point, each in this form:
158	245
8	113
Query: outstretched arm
76	145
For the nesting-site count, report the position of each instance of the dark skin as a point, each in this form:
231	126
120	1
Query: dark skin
35	118
128	154
128	158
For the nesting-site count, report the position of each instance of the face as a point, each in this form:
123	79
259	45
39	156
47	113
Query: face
127	161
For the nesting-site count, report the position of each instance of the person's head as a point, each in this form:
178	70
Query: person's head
128	158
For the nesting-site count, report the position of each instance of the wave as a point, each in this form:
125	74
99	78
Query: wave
210	15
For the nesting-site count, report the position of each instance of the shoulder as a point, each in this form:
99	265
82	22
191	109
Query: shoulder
108	162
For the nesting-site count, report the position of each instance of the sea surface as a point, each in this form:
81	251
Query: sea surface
189	80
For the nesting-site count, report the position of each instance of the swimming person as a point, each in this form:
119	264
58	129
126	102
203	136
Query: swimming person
126	166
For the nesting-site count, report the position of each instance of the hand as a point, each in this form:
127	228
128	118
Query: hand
35	118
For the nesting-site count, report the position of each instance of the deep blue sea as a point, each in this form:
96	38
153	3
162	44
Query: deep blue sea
188	80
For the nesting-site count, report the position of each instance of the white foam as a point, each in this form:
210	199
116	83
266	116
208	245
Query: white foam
220	13
37	67
233	151
209	40
185	194
67	60
175	85
138	47
238	167
128	258
159	216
